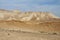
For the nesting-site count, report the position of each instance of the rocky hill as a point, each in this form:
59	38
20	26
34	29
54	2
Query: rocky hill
25	16
29	21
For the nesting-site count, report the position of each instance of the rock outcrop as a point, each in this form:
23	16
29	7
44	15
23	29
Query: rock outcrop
25	16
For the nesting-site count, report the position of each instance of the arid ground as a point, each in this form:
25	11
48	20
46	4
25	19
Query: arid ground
14	30
16	35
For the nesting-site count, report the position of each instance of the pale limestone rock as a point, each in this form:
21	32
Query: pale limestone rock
25	16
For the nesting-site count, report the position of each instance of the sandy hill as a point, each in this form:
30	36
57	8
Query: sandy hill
25	16
30	21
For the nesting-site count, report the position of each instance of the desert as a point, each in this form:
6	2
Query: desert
17	25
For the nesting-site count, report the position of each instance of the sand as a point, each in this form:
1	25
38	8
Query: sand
19	35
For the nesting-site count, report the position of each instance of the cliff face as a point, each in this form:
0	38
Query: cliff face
25	16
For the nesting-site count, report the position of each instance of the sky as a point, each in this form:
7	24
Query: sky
32	5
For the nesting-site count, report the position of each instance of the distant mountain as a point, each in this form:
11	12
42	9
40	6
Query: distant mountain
36	16
26	16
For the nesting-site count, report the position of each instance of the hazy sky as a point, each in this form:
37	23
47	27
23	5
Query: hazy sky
32	5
